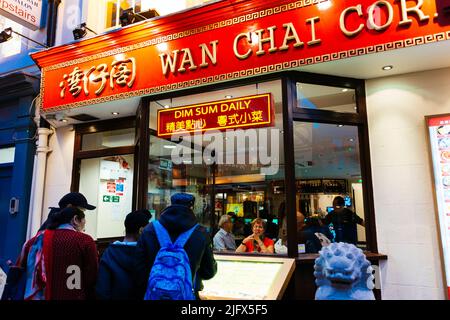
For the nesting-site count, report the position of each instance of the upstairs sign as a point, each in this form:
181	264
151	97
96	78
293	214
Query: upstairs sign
25	12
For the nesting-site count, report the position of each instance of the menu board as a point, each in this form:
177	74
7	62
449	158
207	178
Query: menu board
248	278
439	133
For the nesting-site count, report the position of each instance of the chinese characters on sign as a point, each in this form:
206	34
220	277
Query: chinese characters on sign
122	73
244	112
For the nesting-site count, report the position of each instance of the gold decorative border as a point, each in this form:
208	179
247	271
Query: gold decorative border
410	42
187	33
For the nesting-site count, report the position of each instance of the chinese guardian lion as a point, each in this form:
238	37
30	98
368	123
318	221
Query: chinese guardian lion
343	273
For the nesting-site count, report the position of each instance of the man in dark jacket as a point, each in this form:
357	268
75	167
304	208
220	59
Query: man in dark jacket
115	276
344	222
176	219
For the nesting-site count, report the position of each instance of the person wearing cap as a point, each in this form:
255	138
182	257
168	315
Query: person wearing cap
115	276
73	220
71	199
75	199
176	219
62	262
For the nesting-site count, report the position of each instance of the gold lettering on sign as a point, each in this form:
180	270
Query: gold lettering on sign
262	40
123	72
236	43
314	40
187	59
169	62
73	80
416	9
351	33
205	52
289	35
371	19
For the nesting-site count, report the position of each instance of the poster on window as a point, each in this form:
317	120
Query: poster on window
439	137
115	192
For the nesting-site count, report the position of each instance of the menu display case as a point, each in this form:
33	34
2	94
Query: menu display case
241	277
439	138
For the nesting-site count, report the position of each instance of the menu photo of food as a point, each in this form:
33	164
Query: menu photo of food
444	143
445	155
447	195
443	130
446	182
445	170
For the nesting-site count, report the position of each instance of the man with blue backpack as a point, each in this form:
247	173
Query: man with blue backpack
174	254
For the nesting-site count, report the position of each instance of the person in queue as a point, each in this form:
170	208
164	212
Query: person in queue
224	239
62	263
71	199
257	242
176	219
115	275
344	222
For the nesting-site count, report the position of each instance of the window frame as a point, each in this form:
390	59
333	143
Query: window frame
359	120
96	127
290	114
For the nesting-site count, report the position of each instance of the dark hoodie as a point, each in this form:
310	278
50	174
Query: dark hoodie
176	219
114	280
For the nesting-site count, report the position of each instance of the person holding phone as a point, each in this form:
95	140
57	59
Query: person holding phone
257	241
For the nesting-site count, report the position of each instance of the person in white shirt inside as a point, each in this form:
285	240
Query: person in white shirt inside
224	239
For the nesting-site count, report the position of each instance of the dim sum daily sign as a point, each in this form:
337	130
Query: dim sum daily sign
243	112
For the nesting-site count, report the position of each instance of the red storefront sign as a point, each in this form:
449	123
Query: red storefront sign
229	40
244	112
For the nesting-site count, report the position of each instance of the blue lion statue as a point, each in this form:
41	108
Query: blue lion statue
343	273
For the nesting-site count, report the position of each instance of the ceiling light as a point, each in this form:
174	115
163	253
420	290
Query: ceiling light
228	97
387	68
340	125
115	113
170	146
344	90
166	106
64	120
351	139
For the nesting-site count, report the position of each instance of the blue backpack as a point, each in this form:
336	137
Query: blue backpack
170	277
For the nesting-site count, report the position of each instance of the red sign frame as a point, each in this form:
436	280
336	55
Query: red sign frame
206	48
244	112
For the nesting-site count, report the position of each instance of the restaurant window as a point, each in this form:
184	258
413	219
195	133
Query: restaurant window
327	166
331	187
108	139
104	167
249	186
7	155
320	97
107	183
114	8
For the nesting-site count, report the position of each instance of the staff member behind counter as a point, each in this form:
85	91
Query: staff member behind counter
257	242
